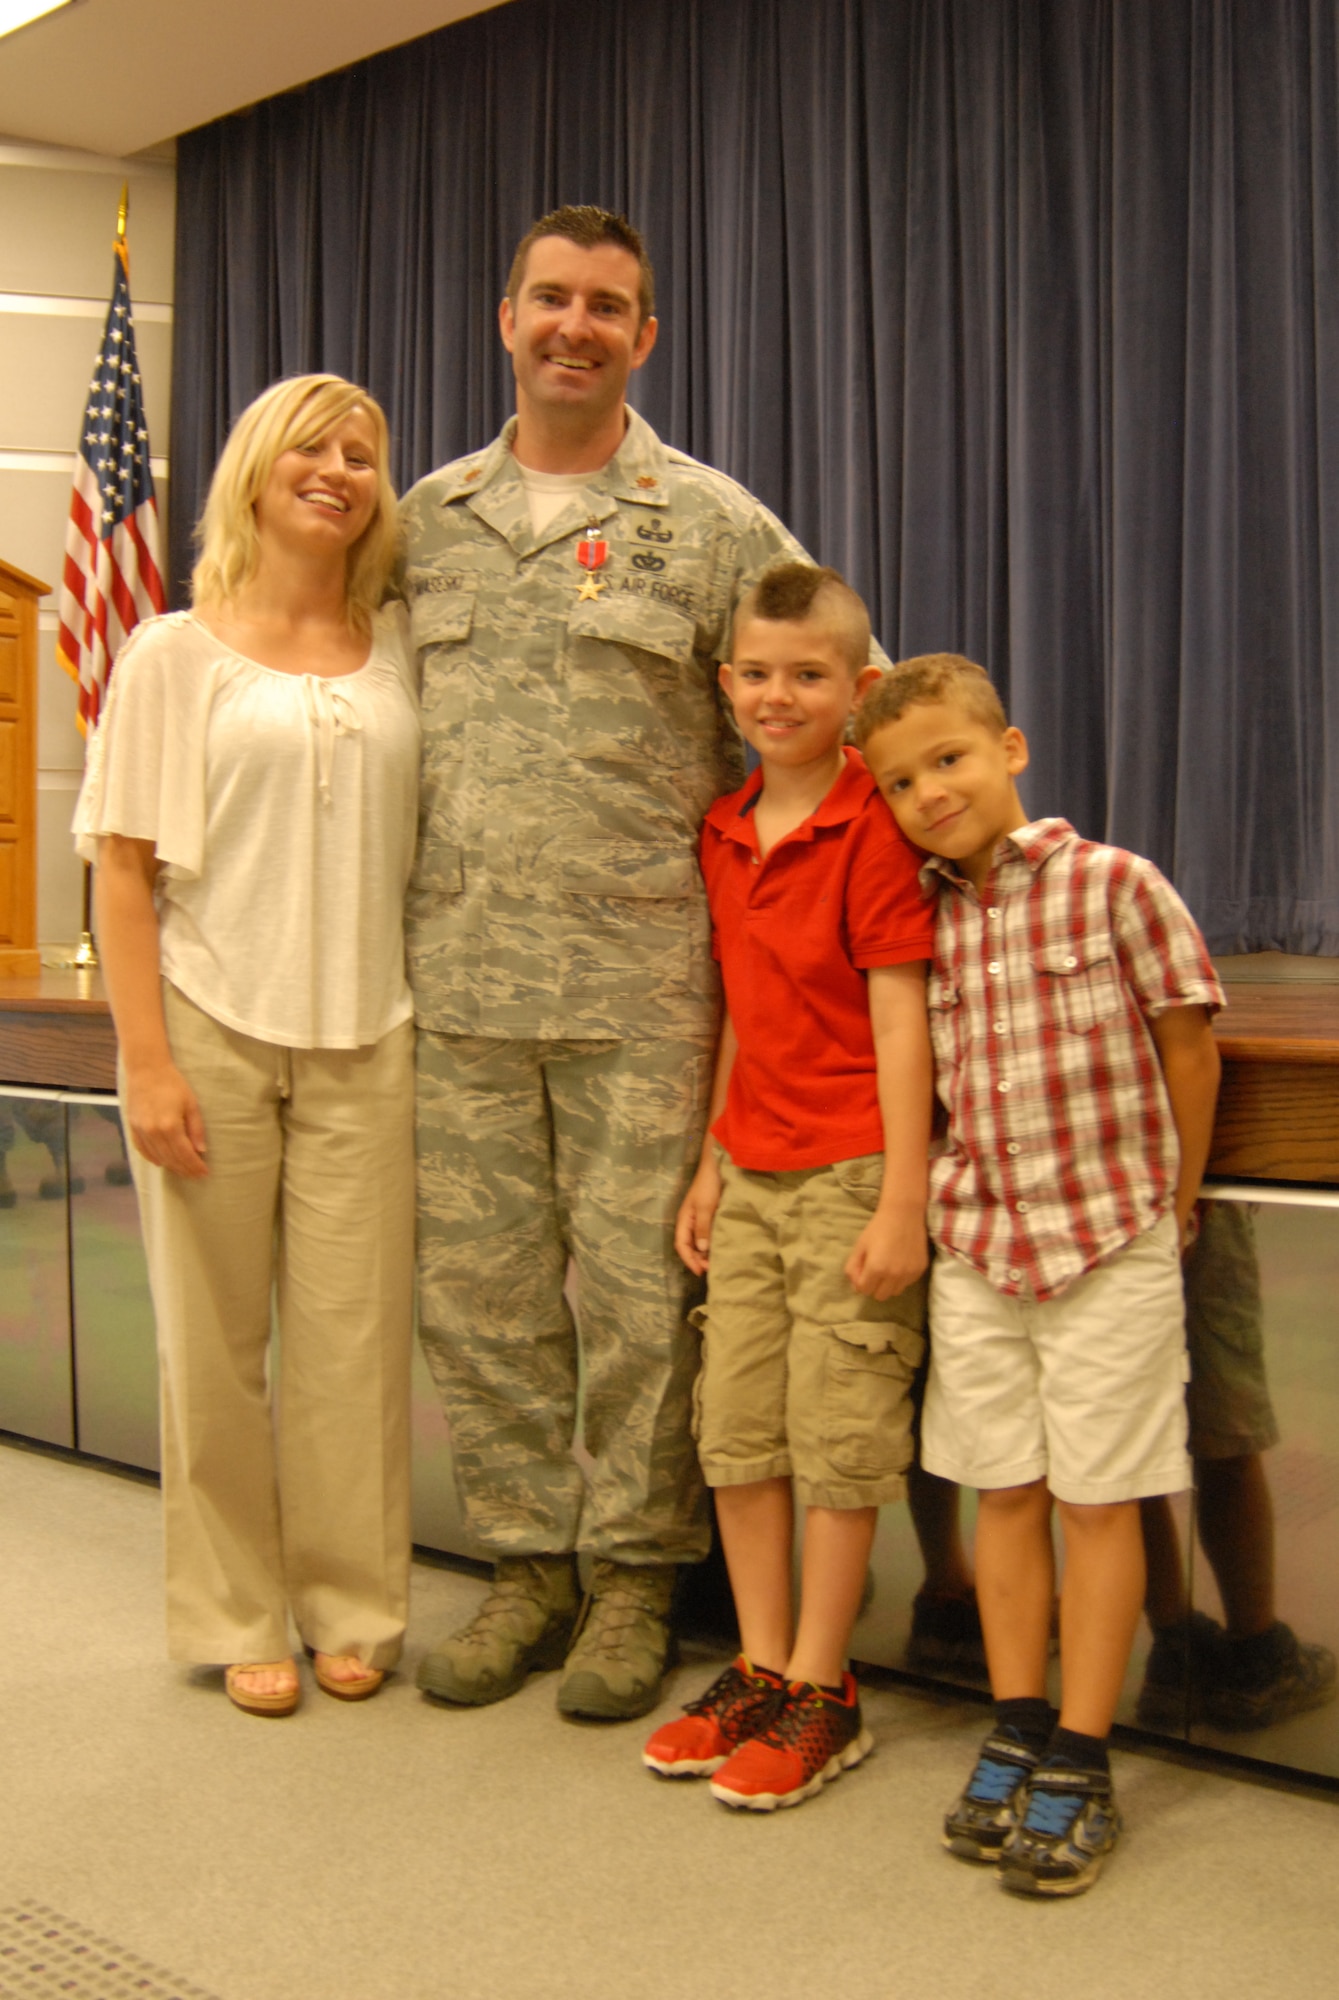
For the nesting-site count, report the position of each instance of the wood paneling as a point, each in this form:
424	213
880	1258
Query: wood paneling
18	769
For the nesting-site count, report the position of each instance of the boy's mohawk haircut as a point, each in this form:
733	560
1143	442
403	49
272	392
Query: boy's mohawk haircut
929	677
790	592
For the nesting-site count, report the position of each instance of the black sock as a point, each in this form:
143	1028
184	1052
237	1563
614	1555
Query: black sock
1256	1659
1072	1750
1031	1718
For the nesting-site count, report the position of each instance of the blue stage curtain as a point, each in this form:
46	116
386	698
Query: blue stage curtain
1023	312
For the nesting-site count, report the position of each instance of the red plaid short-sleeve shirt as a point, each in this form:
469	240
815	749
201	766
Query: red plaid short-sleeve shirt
1061	1145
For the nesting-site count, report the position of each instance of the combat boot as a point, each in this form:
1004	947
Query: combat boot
523	1626
622	1644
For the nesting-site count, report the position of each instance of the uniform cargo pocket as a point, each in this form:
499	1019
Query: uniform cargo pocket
629	918
1079	982
438	875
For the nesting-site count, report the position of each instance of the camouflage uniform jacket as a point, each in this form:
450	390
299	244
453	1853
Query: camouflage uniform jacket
571	745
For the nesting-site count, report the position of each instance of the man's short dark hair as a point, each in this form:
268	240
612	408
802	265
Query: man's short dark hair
791	592
588	227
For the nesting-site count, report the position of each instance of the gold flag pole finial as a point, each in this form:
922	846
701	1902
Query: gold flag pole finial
122	212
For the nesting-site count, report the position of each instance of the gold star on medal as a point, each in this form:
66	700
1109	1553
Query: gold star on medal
591	586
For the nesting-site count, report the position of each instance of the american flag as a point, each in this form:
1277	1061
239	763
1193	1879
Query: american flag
111	578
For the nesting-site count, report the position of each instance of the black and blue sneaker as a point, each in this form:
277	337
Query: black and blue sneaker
1068	1826
989	1810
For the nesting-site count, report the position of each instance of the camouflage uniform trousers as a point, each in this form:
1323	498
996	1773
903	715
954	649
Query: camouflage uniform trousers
529	1152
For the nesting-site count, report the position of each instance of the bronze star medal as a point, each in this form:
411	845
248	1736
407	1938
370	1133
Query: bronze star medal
592	554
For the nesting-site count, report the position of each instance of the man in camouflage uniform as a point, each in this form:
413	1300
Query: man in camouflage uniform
571	589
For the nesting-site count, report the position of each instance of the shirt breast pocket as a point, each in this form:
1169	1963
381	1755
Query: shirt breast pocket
1079	982
947	1020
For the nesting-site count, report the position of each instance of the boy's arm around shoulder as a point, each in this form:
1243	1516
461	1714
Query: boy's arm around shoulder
1184	1039
891	1251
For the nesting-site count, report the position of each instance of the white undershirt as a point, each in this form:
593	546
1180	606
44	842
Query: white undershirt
549	492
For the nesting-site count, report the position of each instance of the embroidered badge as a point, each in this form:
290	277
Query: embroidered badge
592	554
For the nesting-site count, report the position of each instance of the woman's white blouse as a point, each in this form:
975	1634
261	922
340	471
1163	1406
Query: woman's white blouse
283	809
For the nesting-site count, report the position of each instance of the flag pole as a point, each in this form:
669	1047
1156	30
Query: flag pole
111	578
85	957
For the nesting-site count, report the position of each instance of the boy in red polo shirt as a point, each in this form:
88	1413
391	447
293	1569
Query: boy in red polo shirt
808	1209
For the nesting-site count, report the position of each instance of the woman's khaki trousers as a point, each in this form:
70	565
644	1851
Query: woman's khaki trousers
285	1486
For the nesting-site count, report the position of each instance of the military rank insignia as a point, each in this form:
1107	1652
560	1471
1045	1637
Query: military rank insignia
592	554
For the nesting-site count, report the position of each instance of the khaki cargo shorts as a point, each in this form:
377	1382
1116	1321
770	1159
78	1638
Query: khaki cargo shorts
801	1375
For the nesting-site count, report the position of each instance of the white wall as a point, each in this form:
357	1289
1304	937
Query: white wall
57	225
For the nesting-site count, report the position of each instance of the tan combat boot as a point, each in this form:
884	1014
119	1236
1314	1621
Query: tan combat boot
623	1643
523	1626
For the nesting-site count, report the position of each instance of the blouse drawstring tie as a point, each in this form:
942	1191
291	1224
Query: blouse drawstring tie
330	713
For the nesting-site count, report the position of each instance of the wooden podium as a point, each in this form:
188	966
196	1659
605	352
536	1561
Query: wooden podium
18	771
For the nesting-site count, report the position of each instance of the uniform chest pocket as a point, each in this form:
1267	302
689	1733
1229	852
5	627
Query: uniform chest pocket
1079	983
441	617
638	622
635	694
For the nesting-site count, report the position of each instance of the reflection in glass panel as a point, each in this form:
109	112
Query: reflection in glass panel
1266	1568
35	1399
116	1366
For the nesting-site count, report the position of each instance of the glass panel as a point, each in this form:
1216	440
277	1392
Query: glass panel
35	1391
1267	1562
116	1363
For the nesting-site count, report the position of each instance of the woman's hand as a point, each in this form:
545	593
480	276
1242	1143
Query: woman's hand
697	1211
164	1120
160	1107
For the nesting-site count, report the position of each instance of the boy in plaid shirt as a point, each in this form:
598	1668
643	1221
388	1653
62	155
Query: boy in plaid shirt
1070	1004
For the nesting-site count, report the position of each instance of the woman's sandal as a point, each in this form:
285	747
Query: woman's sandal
355	1688
281	1702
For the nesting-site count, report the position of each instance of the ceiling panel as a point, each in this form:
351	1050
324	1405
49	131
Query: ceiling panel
115	76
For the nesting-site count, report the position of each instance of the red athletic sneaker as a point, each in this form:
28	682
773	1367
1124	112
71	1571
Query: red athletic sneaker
740	1701
812	1737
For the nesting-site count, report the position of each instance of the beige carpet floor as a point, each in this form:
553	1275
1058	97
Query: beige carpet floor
401	1850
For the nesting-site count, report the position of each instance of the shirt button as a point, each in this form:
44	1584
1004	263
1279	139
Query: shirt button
1071	962
1015	1275
1013	1147
1002	1086
1000	1028
993	914
994	965
1023	1207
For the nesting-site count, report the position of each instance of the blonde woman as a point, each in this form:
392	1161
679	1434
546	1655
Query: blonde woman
250	805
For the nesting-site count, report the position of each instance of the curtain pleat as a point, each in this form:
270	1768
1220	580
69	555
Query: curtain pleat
1025	313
